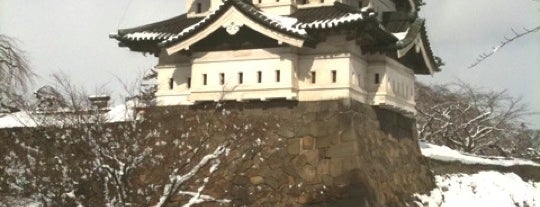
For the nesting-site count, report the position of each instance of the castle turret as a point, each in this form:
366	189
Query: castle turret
281	7
201	8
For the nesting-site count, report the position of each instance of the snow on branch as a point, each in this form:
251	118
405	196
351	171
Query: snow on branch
506	41
178	180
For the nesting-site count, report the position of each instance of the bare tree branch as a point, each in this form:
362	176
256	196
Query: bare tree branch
515	35
14	68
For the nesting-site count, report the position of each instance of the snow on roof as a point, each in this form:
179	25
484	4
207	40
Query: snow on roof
444	153
118	113
488	188
401	35
188	29
284	22
329	23
145	35
17	119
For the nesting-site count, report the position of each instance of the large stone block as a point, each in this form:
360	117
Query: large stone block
343	150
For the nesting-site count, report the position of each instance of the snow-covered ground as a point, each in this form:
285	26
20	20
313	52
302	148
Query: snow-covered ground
488	188
446	154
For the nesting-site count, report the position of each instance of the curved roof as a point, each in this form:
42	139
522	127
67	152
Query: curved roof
245	8
398	31
167	32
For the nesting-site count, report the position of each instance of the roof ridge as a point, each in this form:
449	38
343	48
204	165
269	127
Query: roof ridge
166	21
243	7
345	7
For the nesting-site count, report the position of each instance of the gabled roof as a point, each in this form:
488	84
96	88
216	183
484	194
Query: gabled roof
166	33
397	33
157	31
275	22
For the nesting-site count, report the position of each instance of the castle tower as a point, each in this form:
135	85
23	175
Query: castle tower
201	8
298	50
281	7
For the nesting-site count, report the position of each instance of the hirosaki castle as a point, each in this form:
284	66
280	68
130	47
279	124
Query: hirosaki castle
303	50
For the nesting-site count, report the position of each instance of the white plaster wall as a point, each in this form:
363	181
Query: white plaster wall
355	76
324	88
358	77
396	86
179	92
249	63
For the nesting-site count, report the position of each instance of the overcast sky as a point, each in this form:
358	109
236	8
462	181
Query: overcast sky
72	36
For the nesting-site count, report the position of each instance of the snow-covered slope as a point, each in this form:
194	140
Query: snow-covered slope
489	188
485	188
446	154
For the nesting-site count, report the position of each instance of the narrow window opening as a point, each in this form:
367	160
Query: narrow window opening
334	76
377	78
240	78
322	1
222	78
205	79
189	82
259	76
199	8
304	1
171	83
278	76
313	76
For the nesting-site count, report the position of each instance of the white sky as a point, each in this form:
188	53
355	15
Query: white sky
72	36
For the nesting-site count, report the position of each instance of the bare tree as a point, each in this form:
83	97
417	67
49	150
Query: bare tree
15	74
465	118
89	161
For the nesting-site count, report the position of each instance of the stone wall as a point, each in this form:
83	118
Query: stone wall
282	153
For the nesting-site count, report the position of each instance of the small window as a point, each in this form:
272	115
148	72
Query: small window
240	78
359	80
222	78
259	76
322	1
377	78
171	83
199	8
189	82
278	76
205	79
313	76
260	1
305	2
334	76
360	4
